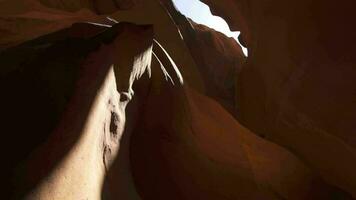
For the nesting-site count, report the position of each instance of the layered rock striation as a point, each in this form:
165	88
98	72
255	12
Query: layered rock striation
131	100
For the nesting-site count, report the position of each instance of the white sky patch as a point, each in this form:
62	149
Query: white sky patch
200	13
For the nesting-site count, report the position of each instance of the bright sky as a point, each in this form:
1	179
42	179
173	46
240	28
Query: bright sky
200	13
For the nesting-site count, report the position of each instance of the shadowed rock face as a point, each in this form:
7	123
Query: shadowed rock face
22	21
95	6
217	57
194	149
68	88
219	60
298	86
145	12
69	131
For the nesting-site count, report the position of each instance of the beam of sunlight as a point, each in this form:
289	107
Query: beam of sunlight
201	14
173	64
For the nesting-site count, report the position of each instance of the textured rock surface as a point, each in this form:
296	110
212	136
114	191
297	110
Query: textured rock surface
73	104
219	60
24	21
299	84
67	126
194	149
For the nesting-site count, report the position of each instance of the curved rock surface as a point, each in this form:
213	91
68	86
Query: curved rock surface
194	149
298	86
219	60
73	108
37	19
68	72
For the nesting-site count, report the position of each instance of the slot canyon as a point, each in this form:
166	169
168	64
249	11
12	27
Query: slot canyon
132	100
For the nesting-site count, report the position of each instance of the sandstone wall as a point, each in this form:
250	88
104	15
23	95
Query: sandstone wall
163	108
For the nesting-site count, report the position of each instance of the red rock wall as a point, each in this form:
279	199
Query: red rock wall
298	86
219	60
295	91
64	109
193	149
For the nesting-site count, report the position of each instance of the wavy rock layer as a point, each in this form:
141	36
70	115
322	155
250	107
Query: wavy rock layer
298	86
71	133
72	100
194	149
219	60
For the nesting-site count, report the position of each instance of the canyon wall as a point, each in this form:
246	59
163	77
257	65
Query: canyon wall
64	108
129	99
297	88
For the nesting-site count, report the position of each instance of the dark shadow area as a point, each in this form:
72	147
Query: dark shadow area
40	112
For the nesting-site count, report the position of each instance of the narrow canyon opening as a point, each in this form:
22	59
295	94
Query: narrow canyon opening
201	14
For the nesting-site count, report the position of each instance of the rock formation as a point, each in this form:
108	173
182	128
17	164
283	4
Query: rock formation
219	60
73	107
297	87
129	99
